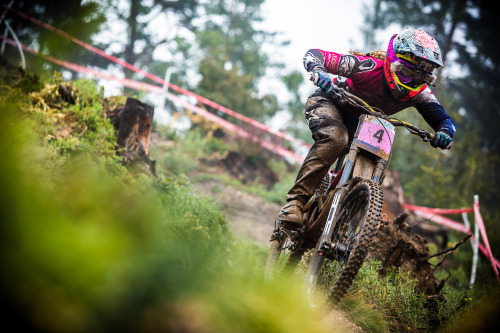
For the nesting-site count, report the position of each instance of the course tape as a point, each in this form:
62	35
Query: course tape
438	210
443	221
433	214
482	229
160	80
133	84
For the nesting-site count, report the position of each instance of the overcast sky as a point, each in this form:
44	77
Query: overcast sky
325	24
331	25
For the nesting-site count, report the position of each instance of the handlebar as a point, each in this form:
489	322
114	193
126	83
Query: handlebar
343	94
423	134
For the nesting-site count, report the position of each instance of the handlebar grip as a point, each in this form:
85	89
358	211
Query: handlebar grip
313	77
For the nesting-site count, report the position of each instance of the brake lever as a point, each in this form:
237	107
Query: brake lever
313	77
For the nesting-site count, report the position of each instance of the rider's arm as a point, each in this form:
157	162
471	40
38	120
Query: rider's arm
316	59
433	113
347	65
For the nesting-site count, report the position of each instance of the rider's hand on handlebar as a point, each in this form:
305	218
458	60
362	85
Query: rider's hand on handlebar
323	80
442	140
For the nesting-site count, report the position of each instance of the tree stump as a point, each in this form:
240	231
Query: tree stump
134	123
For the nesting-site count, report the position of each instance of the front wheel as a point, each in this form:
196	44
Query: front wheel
350	238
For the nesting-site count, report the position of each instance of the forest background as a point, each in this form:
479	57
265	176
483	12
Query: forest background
216	47
217	51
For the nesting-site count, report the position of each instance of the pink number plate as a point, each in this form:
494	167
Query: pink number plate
376	135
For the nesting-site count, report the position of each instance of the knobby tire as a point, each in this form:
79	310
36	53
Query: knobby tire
366	197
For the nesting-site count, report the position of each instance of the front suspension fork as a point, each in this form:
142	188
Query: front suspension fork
340	193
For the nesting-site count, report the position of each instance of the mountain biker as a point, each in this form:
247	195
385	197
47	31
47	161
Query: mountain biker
391	81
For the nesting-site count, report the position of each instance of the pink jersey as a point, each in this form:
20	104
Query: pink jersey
363	76
362	73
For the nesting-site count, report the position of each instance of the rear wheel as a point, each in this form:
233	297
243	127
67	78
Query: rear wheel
314	286
353	231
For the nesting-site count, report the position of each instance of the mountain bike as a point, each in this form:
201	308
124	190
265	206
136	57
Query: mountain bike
342	217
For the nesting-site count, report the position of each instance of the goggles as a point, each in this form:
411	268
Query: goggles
420	63
411	78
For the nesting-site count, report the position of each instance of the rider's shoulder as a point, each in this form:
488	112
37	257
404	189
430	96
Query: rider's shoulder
358	57
424	96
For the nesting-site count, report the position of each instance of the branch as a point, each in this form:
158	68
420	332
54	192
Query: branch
447	250
436	267
158	43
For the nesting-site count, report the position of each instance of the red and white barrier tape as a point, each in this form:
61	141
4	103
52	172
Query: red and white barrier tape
433	214
160	80
152	88
443	221
482	229
494	261
438	210
446	222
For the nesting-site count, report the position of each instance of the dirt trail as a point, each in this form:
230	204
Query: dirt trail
248	216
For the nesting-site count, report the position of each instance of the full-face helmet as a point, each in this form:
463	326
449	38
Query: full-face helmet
411	58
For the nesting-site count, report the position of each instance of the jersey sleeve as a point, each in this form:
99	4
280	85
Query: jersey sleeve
433	113
354	67
323	60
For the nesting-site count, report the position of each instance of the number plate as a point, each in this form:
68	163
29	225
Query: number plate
375	135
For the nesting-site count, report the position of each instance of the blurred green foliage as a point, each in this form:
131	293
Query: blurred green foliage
477	314
89	247
391	303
